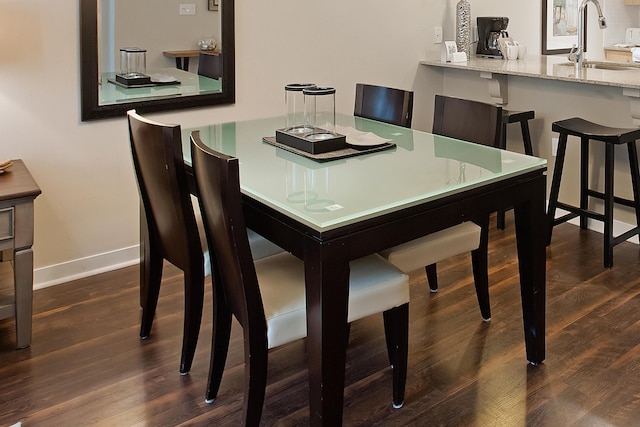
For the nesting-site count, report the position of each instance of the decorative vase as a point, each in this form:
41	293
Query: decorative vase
463	27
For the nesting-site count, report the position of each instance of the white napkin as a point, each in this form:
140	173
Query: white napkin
162	78
635	54
358	137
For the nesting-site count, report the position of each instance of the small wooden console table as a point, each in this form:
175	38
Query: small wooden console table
18	190
182	56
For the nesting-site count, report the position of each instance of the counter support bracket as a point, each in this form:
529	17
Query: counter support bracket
634	103
498	87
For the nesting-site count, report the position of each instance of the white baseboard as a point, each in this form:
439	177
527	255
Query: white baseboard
84	267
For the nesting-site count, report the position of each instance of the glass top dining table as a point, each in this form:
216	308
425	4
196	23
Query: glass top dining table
329	213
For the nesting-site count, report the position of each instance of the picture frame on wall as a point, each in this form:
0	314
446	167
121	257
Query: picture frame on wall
213	5
560	26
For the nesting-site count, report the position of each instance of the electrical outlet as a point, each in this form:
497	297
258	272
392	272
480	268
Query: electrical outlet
437	34
554	146
187	9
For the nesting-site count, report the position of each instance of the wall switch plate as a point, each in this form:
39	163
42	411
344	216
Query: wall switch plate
187	9
437	35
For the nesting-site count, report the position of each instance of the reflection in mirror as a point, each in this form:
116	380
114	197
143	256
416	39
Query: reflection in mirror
130	60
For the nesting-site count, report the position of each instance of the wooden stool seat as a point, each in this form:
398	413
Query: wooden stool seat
587	131
523	118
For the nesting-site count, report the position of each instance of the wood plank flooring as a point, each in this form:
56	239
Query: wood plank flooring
87	365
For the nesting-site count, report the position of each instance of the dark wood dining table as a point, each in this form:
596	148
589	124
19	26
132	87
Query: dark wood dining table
329	213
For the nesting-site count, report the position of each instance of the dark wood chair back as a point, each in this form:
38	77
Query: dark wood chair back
384	104
210	65
171	226
218	186
468	120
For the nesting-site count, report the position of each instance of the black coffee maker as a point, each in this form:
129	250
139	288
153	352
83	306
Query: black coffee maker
490	30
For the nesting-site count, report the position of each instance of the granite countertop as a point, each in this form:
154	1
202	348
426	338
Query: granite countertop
550	68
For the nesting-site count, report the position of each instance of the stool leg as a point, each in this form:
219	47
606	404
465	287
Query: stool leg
526	137
635	177
503	145
608	205
555	185
584	180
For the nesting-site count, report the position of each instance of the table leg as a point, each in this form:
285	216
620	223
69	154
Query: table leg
185	63
531	243
23	282
178	63
327	285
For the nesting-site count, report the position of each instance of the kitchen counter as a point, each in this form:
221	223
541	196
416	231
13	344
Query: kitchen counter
547	67
558	68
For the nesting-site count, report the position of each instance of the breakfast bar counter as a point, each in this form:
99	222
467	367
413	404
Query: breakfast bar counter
608	73
604	73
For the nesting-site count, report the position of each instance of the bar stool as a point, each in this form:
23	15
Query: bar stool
587	131
523	118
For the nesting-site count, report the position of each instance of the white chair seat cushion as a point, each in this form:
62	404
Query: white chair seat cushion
434	247
260	247
374	286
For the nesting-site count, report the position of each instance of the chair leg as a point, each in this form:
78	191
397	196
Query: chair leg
396	329
255	361
193	303
432	277
150	291
479	261
555	185
219	343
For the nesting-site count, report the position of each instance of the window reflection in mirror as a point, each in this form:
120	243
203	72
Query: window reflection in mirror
170	34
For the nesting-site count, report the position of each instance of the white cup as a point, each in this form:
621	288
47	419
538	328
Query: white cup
512	52
522	52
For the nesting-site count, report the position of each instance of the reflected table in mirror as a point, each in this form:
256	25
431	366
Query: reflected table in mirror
188	84
182	56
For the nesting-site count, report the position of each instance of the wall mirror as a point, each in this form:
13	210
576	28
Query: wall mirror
107	26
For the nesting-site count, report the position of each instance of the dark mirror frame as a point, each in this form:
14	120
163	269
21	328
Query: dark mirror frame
91	110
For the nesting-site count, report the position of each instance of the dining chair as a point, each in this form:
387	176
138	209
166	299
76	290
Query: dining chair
384	104
474	122
267	296
210	65
174	229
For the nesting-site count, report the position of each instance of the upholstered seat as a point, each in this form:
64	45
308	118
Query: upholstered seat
433	248
373	287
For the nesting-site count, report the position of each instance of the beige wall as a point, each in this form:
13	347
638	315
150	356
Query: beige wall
167	31
87	216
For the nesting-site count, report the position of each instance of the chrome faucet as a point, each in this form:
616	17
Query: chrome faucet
577	52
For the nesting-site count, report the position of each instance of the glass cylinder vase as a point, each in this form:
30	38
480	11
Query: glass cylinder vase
463	27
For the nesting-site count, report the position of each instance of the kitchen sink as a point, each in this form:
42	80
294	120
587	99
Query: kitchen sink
604	65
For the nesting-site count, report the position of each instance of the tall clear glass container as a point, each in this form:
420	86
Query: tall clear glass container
133	62
294	101
320	112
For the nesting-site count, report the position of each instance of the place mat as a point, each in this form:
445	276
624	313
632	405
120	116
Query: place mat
152	84
331	155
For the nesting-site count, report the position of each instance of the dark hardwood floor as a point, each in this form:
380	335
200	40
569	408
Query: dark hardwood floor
87	366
